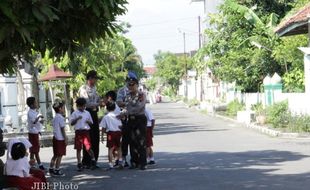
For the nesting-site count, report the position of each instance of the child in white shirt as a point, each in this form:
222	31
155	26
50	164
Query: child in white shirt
17	168
59	140
34	120
149	136
81	120
111	125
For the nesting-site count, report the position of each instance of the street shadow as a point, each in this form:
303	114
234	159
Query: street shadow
173	128
200	170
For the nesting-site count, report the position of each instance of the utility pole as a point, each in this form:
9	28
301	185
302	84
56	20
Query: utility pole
201	78
185	61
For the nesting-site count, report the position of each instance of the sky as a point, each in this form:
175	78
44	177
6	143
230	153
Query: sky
160	24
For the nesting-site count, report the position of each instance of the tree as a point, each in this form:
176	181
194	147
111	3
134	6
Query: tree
61	26
170	68
103	55
243	48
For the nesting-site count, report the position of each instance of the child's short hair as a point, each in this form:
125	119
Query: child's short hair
80	102
18	151
110	106
57	106
111	94
30	101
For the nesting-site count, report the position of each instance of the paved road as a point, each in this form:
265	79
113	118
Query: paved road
194	151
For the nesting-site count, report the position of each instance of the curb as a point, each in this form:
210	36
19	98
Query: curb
266	130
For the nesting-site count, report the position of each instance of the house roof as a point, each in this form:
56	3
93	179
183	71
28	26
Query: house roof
54	73
296	24
150	70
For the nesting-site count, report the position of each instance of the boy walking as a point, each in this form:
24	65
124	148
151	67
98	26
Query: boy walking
111	125
81	120
59	140
149	136
34	120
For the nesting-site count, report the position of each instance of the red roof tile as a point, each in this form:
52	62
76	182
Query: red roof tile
54	73
150	70
296	24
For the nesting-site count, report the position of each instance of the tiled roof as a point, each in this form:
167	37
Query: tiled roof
296	24
149	70
54	73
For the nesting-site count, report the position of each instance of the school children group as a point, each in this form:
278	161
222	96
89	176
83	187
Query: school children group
127	123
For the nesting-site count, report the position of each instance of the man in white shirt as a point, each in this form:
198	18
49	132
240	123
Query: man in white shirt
81	120
89	92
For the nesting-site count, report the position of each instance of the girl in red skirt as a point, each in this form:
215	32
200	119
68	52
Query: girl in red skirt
17	169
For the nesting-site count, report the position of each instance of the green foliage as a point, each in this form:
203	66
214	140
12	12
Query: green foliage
243	48
259	109
233	57
62	26
233	107
278	114
151	84
170	68
299	123
288	54
294	81
110	57
193	102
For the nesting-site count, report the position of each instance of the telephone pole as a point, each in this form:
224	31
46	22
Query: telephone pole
200	41
185	61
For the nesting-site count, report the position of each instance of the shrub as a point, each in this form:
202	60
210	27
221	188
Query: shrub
233	107
193	102
278	115
299	123
259	109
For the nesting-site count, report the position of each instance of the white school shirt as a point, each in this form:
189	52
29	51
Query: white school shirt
20	167
81	124
149	116
58	124
33	128
110	122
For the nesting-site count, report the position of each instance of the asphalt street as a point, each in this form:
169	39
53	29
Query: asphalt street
194	151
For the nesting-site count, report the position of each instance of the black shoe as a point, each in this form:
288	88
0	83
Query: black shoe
80	167
116	163
51	171
133	166
58	173
93	165
41	167
126	164
152	162
142	167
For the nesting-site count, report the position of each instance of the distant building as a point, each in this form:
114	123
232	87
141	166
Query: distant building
149	70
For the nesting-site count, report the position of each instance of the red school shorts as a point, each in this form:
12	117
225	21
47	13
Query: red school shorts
35	142
149	137
59	147
114	139
81	139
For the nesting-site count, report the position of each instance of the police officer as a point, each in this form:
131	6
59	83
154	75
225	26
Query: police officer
89	92
135	108
121	96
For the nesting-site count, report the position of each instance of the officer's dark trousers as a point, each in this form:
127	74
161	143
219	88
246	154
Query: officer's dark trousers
94	134
137	126
125	138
